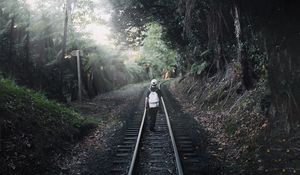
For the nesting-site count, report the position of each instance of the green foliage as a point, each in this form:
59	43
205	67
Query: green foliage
197	69
135	73
155	52
84	13
129	22
110	69
257	55
20	100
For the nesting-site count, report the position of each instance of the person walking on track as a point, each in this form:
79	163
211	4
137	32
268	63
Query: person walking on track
152	103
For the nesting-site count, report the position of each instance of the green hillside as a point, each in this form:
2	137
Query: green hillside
35	130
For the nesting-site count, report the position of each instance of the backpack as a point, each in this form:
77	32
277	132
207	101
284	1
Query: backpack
153	99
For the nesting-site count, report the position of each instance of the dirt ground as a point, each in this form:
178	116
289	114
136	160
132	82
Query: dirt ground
93	154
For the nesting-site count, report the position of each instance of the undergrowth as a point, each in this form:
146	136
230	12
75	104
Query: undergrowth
34	130
234	119
245	128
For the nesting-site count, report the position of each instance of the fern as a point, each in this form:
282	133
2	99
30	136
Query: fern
197	69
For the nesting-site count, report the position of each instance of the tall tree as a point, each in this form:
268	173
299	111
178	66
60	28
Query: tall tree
66	19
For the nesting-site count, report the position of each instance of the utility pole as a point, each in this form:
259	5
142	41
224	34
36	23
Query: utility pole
78	74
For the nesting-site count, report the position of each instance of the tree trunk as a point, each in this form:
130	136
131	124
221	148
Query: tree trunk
64	45
246	67
27	64
11	45
237	26
64	41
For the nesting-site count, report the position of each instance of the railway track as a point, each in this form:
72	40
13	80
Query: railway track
146	152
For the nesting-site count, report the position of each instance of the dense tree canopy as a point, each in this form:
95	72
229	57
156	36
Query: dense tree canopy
258	37
37	39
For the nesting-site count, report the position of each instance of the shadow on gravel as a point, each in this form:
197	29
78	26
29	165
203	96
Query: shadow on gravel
100	162
200	138
93	156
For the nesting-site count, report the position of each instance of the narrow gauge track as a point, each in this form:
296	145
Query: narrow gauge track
145	152
151	153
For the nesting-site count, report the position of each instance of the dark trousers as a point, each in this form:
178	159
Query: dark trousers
152	112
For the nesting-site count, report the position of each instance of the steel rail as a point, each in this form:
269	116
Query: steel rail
177	157
130	172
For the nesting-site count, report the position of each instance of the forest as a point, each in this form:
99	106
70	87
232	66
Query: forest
232	65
